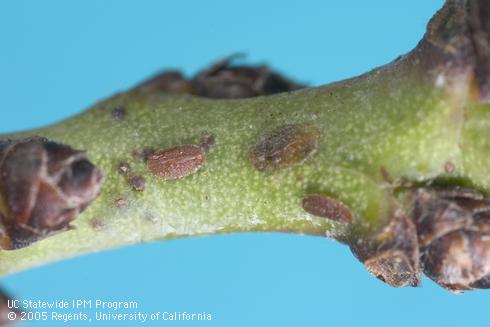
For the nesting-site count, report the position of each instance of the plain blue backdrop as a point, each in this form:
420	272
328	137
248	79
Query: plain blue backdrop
59	57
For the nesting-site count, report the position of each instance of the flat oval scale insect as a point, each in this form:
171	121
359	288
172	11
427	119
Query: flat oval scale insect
176	162
327	207
284	147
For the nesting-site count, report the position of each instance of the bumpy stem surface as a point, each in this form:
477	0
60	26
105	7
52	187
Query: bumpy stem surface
282	163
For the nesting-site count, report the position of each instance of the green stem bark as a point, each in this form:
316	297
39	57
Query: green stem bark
407	121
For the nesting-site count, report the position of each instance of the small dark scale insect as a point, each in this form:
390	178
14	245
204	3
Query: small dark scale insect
118	113
207	141
137	183
123	168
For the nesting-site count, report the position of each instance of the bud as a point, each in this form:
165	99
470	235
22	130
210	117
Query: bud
221	80
454	236
392	255
43	187
168	81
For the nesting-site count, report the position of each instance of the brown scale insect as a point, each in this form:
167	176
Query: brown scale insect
327	207
284	147
177	162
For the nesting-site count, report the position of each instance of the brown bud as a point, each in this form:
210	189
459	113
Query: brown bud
454	235
394	268
283	147
43	186
222	80
392	255
169	81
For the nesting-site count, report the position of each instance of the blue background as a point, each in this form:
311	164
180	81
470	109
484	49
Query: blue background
59	57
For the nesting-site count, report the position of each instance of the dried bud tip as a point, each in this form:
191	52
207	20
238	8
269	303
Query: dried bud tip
393	268
392	255
43	187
